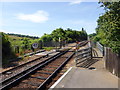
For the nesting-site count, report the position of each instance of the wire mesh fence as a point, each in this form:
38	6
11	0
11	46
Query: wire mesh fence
22	49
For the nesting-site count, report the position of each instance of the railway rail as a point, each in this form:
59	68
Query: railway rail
18	69
38	75
28	54
7	83
9	75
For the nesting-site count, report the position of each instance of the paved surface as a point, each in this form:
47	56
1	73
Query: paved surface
85	78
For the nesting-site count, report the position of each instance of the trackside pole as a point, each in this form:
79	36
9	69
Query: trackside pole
76	52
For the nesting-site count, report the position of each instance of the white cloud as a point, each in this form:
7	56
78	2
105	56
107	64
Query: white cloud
75	2
37	17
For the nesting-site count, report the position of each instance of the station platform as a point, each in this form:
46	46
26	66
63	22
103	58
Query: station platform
87	79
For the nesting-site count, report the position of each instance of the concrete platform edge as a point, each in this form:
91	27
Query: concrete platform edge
53	86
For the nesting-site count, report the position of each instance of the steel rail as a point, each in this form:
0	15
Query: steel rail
49	79
21	65
30	70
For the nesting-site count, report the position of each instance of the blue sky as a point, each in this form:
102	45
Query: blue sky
37	18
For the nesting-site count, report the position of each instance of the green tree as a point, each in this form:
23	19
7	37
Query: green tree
69	34
46	38
58	34
26	43
7	52
108	30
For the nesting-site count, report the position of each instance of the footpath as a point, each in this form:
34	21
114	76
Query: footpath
87	79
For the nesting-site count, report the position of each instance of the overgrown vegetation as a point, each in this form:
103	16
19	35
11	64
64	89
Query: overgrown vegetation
48	48
7	51
14	45
108	29
21	45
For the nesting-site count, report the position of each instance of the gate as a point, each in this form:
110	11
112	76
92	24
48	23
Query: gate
83	55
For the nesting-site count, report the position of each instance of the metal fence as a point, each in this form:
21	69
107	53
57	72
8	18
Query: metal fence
100	47
17	48
50	44
112	61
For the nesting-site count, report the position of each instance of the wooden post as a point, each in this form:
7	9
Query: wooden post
103	51
40	43
91	52
76	53
104	57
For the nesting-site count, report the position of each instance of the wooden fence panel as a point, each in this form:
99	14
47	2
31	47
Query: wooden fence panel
112	61
83	55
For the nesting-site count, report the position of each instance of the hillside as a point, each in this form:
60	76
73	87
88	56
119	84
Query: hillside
20	35
17	40
21	43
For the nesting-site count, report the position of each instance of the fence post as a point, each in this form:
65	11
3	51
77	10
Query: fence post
76	57
103	51
40	43
91	52
104	57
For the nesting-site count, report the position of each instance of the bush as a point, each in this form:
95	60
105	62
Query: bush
48	48
7	51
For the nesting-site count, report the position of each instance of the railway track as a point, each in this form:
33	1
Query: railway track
44	69
19	70
38	75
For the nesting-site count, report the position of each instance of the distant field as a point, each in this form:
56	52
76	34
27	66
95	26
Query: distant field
24	43
16	40
14	37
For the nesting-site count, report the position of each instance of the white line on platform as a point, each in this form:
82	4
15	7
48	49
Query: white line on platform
53	86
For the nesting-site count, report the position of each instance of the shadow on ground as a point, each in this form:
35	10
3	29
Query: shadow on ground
87	63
